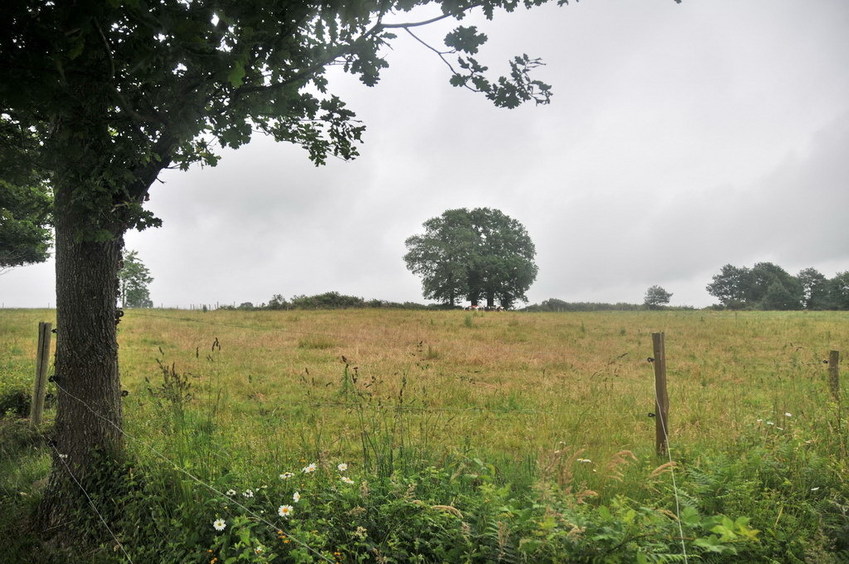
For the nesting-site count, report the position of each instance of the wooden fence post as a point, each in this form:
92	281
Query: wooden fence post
834	374
41	364
661	397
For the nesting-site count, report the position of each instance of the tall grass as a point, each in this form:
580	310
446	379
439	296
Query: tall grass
534	398
516	387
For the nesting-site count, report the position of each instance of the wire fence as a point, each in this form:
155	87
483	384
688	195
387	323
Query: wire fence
409	408
173	465
232	499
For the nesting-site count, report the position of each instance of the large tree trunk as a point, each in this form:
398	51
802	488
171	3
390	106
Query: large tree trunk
88	419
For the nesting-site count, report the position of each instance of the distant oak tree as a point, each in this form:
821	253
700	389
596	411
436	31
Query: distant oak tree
133	279
479	254
815	294
656	297
116	91
838	291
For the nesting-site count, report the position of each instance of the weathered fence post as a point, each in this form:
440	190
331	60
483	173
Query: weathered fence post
834	374
661	397
42	362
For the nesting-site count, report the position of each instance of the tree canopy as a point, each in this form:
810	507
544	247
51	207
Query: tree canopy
478	254
656	297
25	200
768	286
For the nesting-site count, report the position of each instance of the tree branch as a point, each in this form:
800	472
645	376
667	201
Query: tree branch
413	24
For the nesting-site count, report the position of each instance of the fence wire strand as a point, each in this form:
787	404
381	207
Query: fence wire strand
337	405
61	458
189	475
662	416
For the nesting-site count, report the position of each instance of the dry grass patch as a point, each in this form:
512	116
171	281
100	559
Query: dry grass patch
515	385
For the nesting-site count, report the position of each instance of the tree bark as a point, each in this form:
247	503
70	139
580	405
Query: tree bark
88	418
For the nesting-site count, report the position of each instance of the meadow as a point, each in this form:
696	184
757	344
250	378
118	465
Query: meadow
499	412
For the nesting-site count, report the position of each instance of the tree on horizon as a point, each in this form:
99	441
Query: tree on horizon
134	278
478	254
656	297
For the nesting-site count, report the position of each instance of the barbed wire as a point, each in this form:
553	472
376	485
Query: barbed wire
61	457
262	519
358	405
191	476
661	415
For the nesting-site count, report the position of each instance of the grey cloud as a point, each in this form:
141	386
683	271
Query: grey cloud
679	138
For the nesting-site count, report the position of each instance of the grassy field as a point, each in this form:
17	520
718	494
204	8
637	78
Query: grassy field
560	399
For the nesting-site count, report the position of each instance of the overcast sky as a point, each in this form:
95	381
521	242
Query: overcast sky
679	138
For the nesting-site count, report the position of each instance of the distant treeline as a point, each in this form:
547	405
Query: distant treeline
554	304
327	300
335	300
767	286
764	286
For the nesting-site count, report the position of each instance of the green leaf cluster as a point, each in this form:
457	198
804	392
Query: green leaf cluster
656	297
767	286
25	199
432	515
478	254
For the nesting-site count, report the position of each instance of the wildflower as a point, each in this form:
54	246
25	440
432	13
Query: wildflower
248	493
285	511
342	467
219	524
788	415
296	497
63	456
347	480
231	492
770	423
286	475
259	549
361	533
309	469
